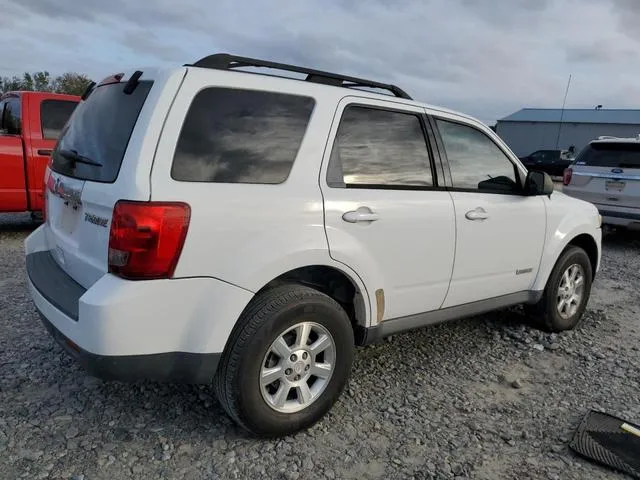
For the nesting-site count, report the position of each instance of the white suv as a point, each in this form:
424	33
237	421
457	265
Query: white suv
209	224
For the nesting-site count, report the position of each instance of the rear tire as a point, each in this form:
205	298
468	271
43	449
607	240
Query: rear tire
566	294
285	334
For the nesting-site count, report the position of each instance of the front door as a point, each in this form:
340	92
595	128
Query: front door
385	216
13	191
500	232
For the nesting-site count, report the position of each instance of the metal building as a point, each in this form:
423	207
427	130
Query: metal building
532	129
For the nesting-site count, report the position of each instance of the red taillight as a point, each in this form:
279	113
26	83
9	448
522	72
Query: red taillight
146	238
566	177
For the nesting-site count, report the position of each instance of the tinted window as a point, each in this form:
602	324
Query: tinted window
240	136
99	130
53	116
12	116
476	162
2	107
379	148
612	155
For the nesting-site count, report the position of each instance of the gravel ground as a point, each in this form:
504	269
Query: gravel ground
485	398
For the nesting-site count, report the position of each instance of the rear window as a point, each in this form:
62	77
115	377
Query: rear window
611	155
53	116
99	131
240	136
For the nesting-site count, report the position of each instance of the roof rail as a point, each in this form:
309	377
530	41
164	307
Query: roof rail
224	61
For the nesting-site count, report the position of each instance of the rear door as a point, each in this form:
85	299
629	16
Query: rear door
47	117
608	175
104	154
385	215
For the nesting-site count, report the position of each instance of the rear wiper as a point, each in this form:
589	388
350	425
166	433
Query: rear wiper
75	157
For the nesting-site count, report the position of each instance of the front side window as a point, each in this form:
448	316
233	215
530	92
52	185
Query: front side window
476	162
3	106
240	136
379	148
12	116
54	115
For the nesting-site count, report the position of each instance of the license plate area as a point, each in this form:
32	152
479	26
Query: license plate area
68	216
65	201
614	185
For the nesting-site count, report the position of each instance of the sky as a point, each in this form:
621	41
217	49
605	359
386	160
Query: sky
487	58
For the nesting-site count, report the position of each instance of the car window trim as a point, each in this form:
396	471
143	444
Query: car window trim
447	180
336	169
445	159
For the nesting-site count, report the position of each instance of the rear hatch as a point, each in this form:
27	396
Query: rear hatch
608	174
104	154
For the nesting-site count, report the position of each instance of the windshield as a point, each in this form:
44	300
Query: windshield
611	155
99	131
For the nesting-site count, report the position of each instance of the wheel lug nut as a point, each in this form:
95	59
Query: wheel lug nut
288	371
306	368
296	378
293	357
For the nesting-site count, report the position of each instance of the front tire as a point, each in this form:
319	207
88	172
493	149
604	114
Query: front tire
566	294
286	362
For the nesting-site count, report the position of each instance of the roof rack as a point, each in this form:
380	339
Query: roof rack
224	61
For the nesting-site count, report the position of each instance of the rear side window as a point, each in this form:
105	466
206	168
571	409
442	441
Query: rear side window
377	148
99	132
611	155
240	136
53	116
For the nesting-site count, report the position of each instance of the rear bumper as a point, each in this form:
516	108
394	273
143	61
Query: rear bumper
178	367
164	330
611	214
619	217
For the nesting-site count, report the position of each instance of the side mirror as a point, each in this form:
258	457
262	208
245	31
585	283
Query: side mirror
538	183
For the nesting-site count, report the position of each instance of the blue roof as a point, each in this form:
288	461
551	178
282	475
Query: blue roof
575	115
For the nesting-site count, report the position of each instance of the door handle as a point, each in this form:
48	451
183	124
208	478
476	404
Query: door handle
45	152
477	214
362	214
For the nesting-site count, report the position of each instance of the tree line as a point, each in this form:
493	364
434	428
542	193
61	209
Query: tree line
71	83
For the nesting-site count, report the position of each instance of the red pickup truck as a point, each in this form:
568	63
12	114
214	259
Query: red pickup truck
30	124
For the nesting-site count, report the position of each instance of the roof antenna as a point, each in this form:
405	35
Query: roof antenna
562	112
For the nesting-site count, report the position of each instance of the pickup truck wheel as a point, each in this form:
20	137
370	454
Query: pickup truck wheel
286	362
566	294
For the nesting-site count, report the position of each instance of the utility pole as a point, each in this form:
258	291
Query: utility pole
562	113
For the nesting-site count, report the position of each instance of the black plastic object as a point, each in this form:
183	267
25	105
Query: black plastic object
88	90
132	83
603	439
224	61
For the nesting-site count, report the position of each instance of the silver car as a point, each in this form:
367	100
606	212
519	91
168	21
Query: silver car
607	174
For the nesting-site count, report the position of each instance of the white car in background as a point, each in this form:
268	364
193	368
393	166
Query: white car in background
208	224
607	174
